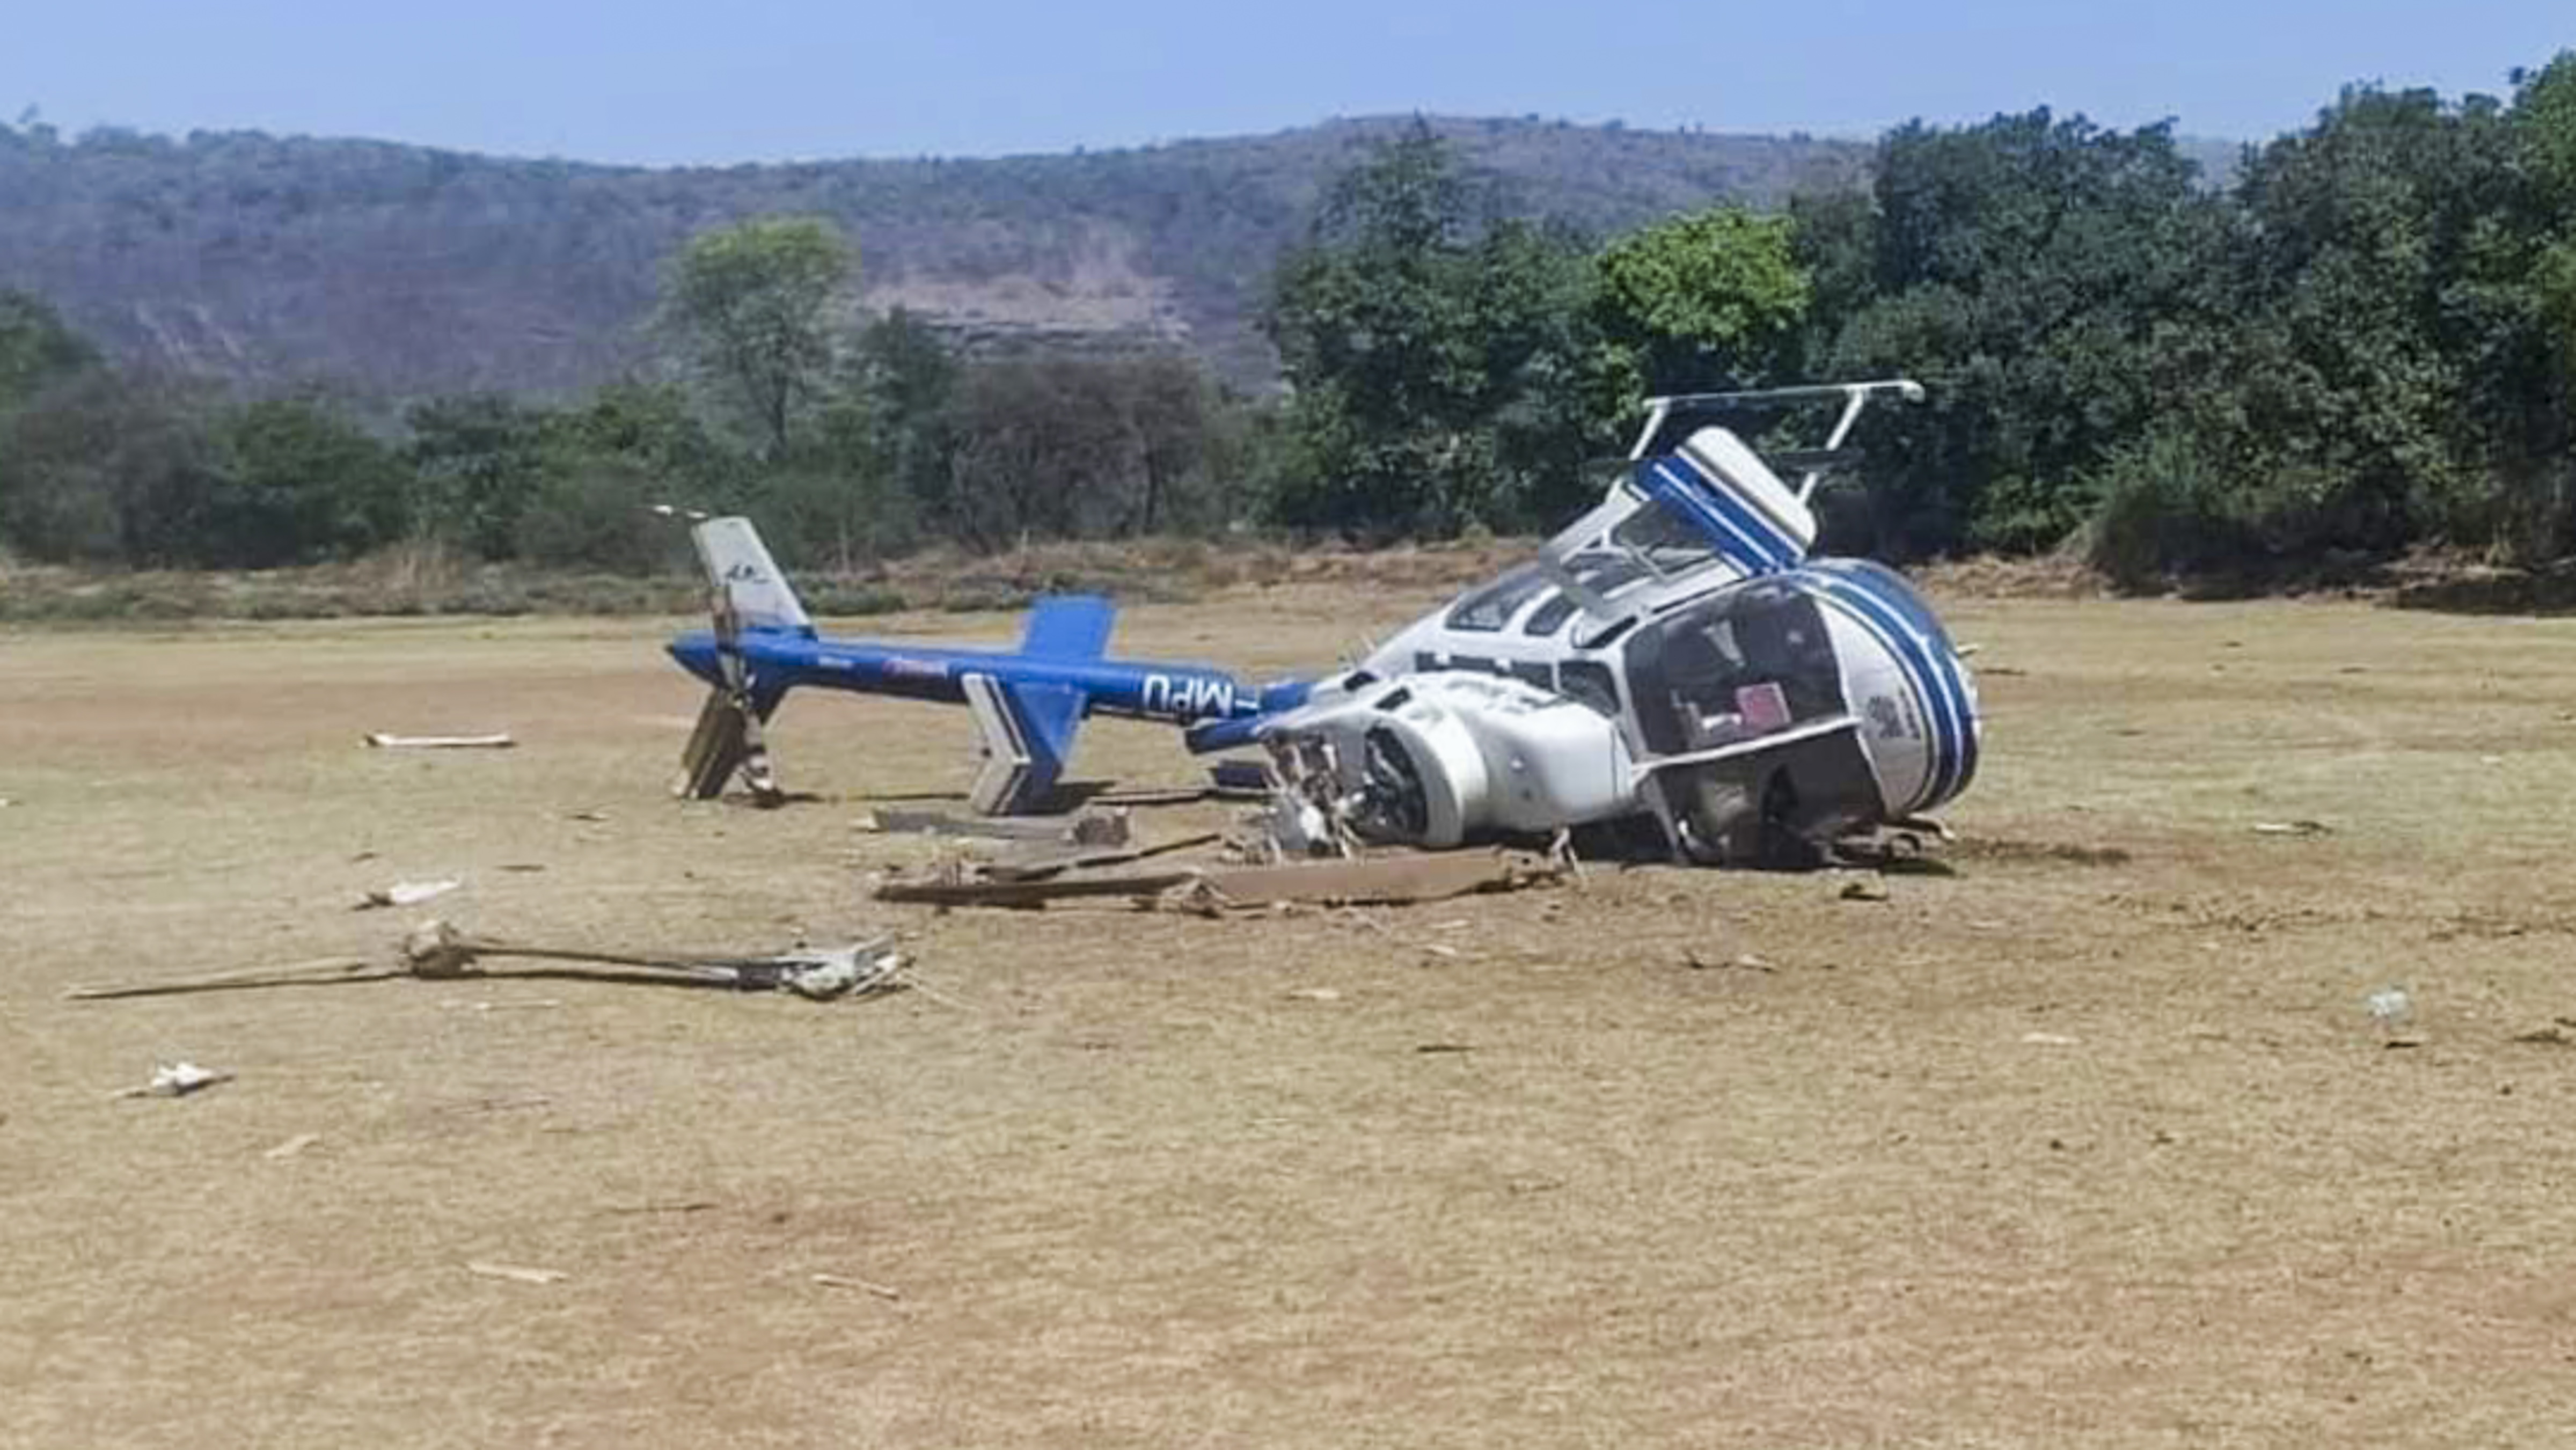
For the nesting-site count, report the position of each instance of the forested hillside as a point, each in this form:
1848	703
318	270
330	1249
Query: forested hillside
2360	342
397	272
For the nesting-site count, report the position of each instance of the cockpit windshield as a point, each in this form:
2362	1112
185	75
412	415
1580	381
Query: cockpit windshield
1659	538
1628	540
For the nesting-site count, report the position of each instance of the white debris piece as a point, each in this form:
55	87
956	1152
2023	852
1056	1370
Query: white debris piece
498	740
407	893
823	975
517	1274
177	1080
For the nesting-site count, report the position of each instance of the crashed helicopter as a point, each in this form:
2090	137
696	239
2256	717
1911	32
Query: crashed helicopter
1675	660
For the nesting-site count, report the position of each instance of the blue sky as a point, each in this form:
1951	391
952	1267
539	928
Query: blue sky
658	81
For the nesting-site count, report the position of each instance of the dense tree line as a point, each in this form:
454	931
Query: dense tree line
848	443
2363	342
2367	341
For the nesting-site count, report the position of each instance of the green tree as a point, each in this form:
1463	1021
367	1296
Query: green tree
1436	357
301	483
755	303
905	379
2023	269
109	469
477	460
1700	301
36	348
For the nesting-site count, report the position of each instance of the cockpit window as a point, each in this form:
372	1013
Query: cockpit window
1606	573
1492	607
1664	542
1743	663
1550	617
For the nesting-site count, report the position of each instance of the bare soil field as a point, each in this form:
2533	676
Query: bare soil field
2092	1142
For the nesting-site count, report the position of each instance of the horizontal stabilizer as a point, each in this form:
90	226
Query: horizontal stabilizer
1069	627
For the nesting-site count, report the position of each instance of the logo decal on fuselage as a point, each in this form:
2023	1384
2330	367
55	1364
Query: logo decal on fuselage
1882	714
1187	698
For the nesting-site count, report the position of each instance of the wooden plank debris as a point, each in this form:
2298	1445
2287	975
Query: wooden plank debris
1084	828
1380	880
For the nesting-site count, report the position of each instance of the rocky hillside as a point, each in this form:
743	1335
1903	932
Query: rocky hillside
397	271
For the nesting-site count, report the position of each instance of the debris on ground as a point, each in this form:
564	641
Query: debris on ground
1213	890
498	740
2292	828
517	1274
437	951
176	1080
1040	863
843	1281
1863	891
1084	828
292	1147
405	893
1292	826
2557	1034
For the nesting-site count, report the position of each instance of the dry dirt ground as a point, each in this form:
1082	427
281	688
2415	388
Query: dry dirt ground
2091	1143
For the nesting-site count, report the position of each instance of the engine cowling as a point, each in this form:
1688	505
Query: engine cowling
1440	758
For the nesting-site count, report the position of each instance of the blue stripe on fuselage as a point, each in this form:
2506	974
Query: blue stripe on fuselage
1748	540
1946	717
1892	595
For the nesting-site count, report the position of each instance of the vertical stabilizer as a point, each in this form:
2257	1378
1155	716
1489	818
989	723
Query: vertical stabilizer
738	564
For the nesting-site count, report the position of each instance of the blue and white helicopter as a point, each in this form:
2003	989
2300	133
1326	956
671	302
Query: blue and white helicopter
1674	658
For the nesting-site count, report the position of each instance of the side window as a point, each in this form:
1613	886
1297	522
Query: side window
1550	617
1589	681
1493	606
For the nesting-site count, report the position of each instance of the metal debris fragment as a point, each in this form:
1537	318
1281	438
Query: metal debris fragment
1083	828
437	951
517	1274
843	1281
177	1080
406	893
1382	880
